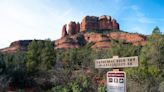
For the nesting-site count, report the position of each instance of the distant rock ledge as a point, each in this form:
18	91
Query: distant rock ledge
20	45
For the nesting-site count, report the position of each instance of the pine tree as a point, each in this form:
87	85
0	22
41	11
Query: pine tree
32	56
48	55
40	55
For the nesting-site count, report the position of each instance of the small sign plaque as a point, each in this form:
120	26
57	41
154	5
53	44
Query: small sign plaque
116	81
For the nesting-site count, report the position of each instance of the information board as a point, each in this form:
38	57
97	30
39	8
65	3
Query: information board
116	81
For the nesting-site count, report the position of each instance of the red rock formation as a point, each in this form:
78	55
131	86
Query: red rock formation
89	22
67	42
115	25
128	37
95	37
64	31
98	23
101	45
100	40
20	45
105	22
15	46
77	28
72	28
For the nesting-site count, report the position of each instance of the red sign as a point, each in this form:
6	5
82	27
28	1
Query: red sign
115	74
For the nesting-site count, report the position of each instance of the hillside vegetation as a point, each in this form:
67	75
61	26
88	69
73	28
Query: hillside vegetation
43	69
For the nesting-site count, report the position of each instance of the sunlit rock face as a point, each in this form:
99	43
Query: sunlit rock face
89	23
98	23
72	28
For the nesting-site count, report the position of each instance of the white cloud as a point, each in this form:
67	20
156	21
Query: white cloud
35	21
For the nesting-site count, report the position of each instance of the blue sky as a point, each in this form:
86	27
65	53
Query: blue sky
42	19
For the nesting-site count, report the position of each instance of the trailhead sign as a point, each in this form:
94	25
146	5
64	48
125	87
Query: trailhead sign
116	62
116	80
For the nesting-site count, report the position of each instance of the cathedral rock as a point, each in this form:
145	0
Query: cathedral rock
91	23
99	30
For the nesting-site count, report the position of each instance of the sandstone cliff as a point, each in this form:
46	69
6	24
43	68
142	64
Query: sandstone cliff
98	23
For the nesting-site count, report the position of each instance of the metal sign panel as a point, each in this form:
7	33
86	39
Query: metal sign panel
116	81
116	62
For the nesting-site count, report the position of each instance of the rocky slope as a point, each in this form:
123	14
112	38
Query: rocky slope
99	40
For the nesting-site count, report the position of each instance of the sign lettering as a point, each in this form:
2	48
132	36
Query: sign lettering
117	62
